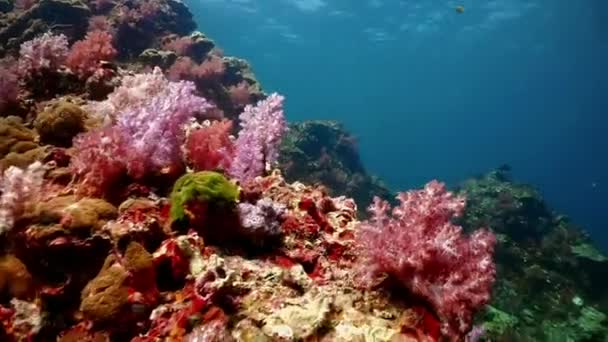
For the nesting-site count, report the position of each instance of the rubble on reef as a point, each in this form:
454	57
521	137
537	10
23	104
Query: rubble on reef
151	191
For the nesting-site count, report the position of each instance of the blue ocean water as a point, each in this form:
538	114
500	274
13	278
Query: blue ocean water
431	93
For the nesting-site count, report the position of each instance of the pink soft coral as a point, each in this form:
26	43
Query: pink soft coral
96	160
418	246
86	54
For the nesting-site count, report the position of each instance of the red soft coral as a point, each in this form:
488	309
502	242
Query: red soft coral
418	246
85	55
210	147
209	70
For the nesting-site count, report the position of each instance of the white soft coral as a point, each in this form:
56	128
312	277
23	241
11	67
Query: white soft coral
19	188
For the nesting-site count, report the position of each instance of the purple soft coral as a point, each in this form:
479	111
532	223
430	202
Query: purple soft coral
155	129
261	220
257	145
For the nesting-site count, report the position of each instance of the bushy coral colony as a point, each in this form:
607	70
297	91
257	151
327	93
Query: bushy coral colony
161	219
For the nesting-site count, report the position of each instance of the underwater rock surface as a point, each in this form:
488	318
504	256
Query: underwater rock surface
550	283
151	191
324	152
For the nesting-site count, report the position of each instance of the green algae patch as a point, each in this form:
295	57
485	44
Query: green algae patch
206	186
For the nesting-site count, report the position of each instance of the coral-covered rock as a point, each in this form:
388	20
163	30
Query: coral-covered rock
6	6
123	291
59	123
9	85
542	257
73	214
15	279
141	220
279	258
15	137
71	16
141	24
299	320
179	257
238	70
102	82
18	144
21	320
195	46
84	333
324	152
160	58
106	296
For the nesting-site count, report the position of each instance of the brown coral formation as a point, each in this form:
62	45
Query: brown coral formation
15	279
18	144
59	123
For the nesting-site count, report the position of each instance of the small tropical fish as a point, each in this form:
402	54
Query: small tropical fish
459	9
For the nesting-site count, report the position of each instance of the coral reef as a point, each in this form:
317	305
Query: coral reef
142	200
